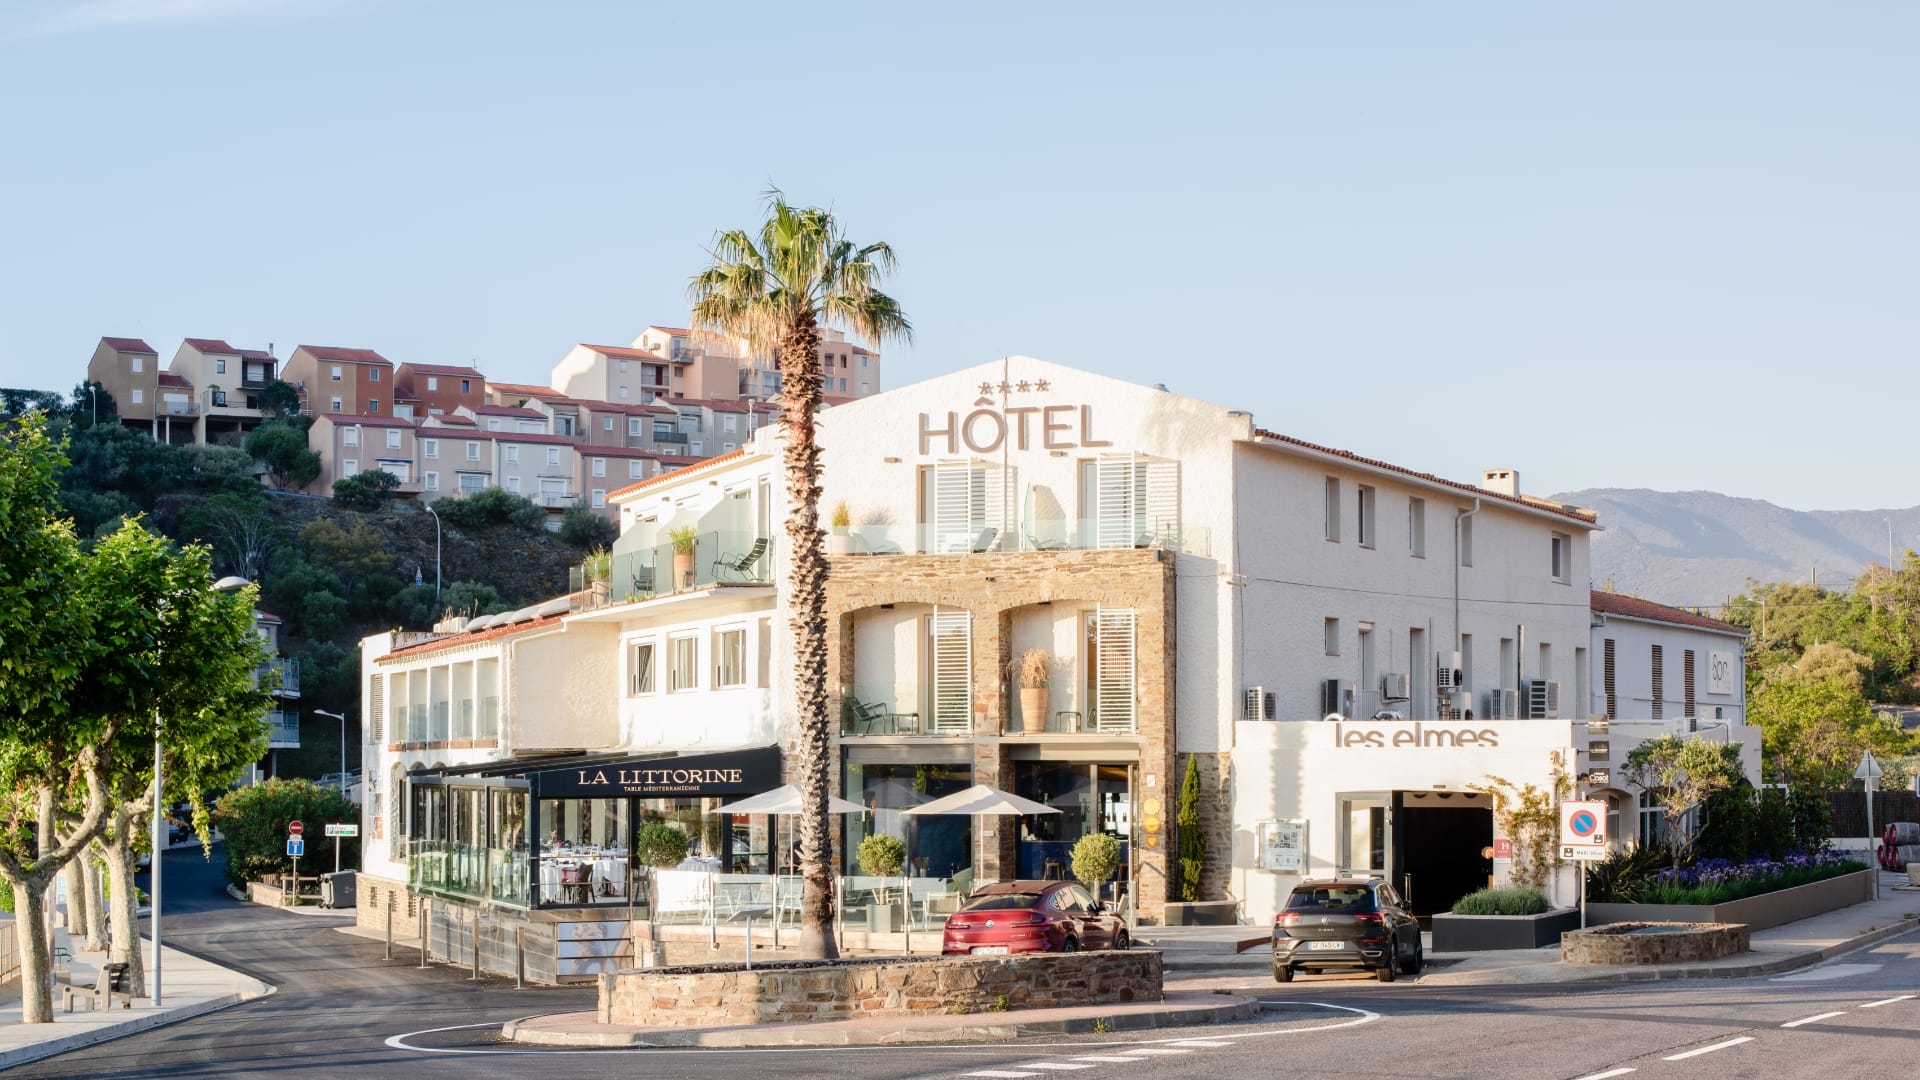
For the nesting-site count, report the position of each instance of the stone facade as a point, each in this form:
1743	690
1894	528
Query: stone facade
1653	943
782	993
1216	821
992	586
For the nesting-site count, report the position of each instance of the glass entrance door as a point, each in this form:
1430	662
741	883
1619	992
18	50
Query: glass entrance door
1366	823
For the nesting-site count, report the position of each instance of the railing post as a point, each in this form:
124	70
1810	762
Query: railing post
423	931
520	958
473	939
389	924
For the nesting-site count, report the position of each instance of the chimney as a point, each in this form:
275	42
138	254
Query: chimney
1501	481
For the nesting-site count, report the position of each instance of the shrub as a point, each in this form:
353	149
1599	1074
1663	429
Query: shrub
1508	901
661	844
1718	881
881	855
583	528
254	821
1095	857
1193	842
492	506
1618	878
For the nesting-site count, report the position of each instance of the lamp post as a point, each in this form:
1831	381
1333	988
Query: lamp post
159	834
343	745
93	405
436	557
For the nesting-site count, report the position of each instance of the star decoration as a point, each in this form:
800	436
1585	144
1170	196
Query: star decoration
1022	386
1041	385
986	388
1005	386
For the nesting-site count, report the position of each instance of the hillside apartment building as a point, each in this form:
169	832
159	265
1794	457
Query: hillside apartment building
1343	645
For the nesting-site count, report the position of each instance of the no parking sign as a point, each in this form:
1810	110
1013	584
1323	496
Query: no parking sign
1583	831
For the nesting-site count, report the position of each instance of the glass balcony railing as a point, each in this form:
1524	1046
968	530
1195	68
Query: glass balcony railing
717	558
285	676
439	732
1085	534
283	730
874	708
489	718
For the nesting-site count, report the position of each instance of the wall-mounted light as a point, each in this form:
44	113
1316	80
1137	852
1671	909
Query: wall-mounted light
1058	453
891	460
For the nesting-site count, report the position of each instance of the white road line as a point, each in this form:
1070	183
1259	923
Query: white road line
1709	1049
1604	1075
1159	1050
1887	1001
1202	1042
1053	1065
1109	1059
1000	1072
1811	1019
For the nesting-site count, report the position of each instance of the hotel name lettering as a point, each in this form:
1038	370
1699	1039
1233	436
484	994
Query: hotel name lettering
1019	427
1389	736
658	779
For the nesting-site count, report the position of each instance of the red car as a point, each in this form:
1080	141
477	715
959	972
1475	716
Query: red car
1033	916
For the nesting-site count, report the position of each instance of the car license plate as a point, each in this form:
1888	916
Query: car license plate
989	950
1326	944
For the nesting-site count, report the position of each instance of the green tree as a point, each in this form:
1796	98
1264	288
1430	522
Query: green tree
283	447
1814	720
237	528
1682	774
353	554
279	400
254	821
365	492
583	528
1193	842
778	291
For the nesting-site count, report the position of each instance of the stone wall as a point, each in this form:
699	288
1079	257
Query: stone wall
373	895
800	991
1653	943
1216	821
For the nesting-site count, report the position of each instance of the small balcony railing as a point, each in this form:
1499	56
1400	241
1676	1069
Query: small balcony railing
676	437
283	730
282	675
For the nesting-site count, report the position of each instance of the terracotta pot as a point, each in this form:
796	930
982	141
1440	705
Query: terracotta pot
682	569
1033	709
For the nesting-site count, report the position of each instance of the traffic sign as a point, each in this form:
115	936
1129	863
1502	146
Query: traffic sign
1869	768
295	828
1583	830
343	830
296	846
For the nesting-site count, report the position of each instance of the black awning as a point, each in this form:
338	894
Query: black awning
725	772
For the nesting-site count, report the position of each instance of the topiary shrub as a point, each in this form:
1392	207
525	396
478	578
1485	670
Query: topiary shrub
1095	857
881	855
1507	901
662	845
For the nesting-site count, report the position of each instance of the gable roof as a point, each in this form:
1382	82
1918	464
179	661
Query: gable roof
1576	513
168	378
508	410
212	345
342	355
128	344
441	369
1632	607
624	353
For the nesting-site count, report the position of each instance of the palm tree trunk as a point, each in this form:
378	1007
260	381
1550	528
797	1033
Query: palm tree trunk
807	604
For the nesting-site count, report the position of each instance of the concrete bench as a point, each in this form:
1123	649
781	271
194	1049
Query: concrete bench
112	982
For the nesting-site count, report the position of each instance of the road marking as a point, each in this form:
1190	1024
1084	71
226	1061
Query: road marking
1811	1019
1000	1072
1159	1050
1709	1049
1604	1075
1110	1059
1887	1001
1202	1042
1052	1065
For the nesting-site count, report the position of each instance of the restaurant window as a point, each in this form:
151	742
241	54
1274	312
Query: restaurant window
683	663
640	667
938	845
584	853
730	657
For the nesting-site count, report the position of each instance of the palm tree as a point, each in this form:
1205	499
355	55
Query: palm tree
778	292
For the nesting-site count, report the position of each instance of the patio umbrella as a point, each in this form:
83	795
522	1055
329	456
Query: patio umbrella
784	799
981	800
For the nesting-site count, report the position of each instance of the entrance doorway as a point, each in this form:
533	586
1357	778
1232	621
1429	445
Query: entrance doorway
1442	845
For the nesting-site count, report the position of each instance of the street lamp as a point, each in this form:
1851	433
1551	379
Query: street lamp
93	405
436	558
343	745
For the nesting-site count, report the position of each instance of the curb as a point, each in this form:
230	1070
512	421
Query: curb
79	1040
825	1034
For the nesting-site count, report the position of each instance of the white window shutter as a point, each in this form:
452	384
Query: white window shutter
1161	502
952	656
376	710
1114	501
1114	707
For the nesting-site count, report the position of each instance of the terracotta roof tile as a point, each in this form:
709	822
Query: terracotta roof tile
624	353
1576	513
509	410
340	355
212	345
168	378
1633	607
128	344
421	648
691	464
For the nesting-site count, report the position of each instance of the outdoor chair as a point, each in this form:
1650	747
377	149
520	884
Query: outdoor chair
984	541
740	567
1035	543
112	982
643	579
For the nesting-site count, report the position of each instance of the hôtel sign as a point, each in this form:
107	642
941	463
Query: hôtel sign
994	424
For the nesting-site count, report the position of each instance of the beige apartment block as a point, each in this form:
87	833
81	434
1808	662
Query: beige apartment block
438	389
129	370
227	384
351	445
335	381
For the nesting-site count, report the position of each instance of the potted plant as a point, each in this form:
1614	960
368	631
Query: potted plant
684	539
881	856
597	572
839	542
1095	857
1034	670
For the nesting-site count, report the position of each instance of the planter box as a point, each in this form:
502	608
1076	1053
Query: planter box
1756	912
1477	933
1203	913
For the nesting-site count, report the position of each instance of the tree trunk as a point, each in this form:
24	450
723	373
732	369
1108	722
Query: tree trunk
125	947
36	947
82	919
807	600
96	902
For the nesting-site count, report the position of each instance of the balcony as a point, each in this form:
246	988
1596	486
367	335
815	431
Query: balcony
176	407
283	730
553	500
284	673
1084	534
718	559
677	437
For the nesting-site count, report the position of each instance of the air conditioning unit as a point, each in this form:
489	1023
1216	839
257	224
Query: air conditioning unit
1503	704
1394	687
1446	673
1543	699
1260	704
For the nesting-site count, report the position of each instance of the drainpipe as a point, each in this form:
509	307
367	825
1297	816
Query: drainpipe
1459	515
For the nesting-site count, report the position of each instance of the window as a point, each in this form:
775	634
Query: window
349	467
726	448
473	451
599	498
640	668
350	436
1333	509
1363	524
683	663
1465	530
513	454
373	406
1417	528
334	405
863	361
636	470
493	424
553	455
433	481
633	426
843	386
1659	681
1330	636
139	363
623	393
623	365
727	423
140	395
470	483
606	423
513	484
430	448
433	383
599	466
466	386
730	657
336	373
219	366
373	374
1561	557
393	438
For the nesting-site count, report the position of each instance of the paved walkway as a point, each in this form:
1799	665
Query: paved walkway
1202	964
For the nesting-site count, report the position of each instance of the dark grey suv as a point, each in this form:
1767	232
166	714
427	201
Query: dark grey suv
1346	924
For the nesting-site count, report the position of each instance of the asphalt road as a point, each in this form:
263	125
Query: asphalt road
342	1010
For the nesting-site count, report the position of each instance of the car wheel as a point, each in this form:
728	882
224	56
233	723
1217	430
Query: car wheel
1122	941
1386	971
1282	973
1419	960
1072	944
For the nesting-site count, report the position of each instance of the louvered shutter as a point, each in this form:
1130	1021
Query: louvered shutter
953	506
1114	706
1113	501
1160	503
951	651
377	709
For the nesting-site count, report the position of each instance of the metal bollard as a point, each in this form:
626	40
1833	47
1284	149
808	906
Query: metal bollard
520	958
389	926
474	940
423	932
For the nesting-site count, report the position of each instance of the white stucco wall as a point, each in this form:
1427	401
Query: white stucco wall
1633	670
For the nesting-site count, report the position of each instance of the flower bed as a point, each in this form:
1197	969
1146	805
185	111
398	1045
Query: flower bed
1719	881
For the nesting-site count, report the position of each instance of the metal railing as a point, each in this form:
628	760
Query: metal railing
647	570
283	730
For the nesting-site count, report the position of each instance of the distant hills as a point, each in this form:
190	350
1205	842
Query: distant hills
1697	548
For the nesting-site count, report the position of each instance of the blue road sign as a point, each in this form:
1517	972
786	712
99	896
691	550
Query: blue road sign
296	846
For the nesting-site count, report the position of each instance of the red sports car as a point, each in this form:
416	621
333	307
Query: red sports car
1033	916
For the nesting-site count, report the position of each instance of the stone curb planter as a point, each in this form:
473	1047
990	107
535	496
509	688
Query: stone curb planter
1653	943
1479	933
1202	913
1755	912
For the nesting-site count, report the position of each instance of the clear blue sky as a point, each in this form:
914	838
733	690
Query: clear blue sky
1611	245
